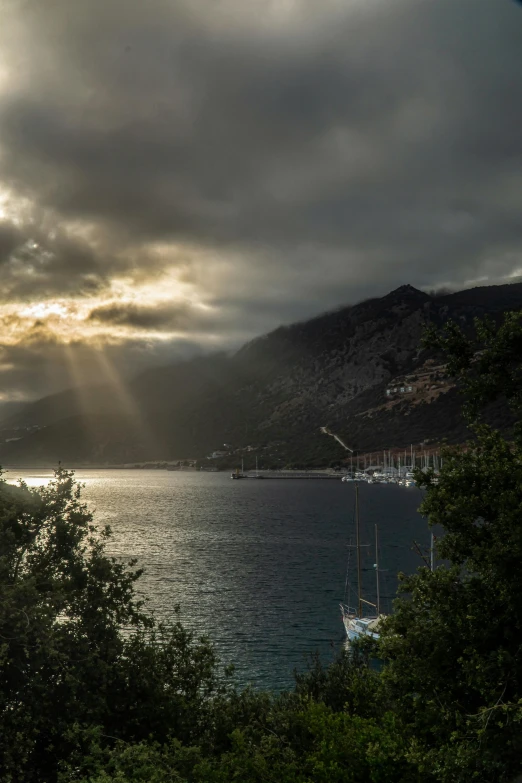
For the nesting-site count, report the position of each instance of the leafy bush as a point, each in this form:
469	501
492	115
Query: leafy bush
76	647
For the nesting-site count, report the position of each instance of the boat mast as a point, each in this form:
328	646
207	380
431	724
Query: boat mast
358	543
377	571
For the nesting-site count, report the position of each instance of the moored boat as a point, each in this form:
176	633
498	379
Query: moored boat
359	623
237	474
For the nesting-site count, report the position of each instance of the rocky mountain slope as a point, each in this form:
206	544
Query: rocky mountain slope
273	395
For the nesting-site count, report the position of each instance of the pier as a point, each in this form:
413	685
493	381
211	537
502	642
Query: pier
295	474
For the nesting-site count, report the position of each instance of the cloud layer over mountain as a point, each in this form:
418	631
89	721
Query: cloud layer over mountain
181	175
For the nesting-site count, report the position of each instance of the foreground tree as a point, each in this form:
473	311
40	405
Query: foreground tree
454	643
76	649
306	744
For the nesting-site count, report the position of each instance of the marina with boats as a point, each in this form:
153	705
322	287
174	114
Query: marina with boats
405	479
388	471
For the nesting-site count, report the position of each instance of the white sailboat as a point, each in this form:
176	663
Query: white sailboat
358	622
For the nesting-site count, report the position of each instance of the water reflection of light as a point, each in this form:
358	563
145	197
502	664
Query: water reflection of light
40	479
36	480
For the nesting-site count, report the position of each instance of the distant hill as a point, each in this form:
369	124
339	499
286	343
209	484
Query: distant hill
274	394
9	409
486	299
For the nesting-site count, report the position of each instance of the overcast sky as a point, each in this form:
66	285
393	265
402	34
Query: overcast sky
181	175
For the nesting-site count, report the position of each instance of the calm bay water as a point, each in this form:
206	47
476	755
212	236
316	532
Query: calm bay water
259	566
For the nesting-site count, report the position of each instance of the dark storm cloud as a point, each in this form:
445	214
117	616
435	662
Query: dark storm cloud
220	316
230	136
167	317
9	240
331	151
376	130
38	261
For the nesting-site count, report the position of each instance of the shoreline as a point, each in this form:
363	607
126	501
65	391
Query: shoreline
169	468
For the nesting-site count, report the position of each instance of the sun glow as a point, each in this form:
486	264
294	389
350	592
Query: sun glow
70	320
4	204
45	309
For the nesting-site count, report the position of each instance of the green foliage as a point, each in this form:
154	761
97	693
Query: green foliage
454	643
349	683
312	743
65	657
487	364
307	744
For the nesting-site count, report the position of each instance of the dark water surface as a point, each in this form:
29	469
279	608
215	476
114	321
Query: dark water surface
259	566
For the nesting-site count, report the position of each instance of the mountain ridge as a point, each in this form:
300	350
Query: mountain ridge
273	394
